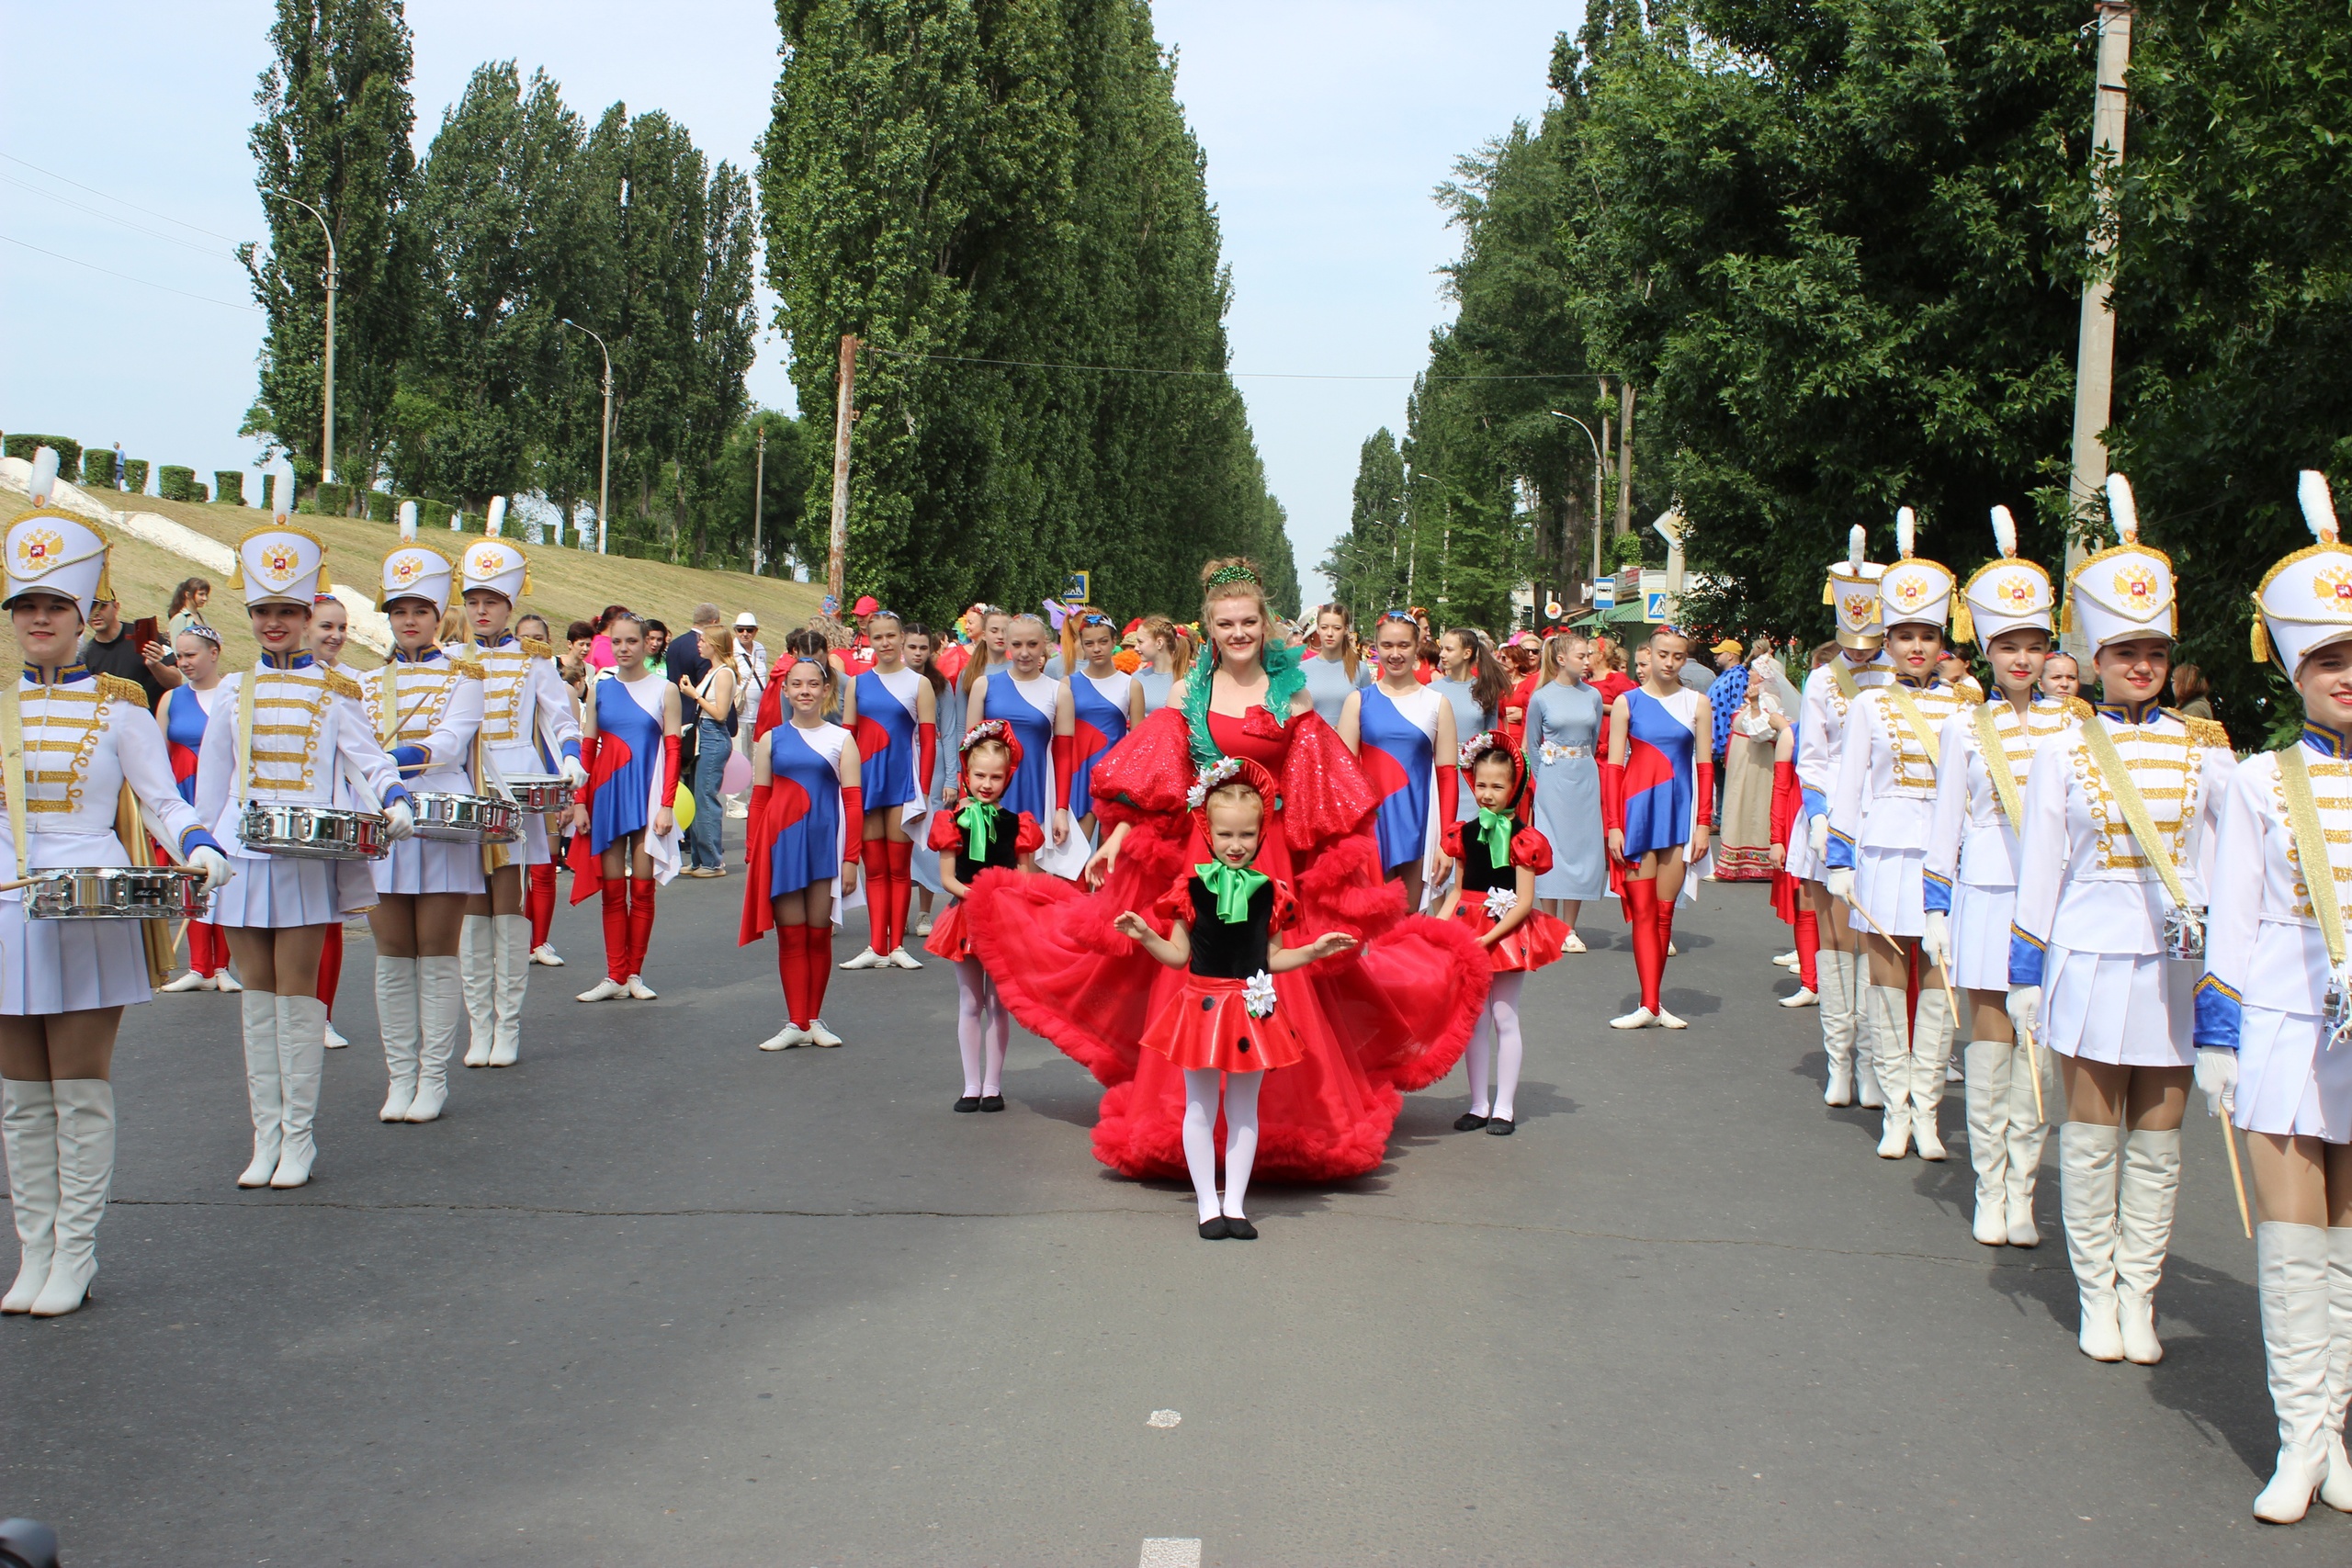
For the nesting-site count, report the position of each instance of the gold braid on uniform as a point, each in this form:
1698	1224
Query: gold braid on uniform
117	689
535	647
343	685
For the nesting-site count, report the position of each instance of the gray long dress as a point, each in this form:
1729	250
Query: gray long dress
1157	685
1328	685
1567	789
1469	720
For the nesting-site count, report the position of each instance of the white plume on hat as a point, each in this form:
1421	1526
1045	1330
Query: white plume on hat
1858	543
495	523
2005	531
2125	510
408	522
1907	526
44	481
2319	507
2005	593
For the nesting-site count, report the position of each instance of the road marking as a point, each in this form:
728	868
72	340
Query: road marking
1162	1419
1171	1551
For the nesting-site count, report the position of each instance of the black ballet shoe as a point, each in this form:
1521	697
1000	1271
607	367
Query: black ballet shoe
1240	1229
1500	1127
991	1103
968	1102
1218	1229
1468	1121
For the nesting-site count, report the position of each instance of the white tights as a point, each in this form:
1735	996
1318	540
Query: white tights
1499	1023
1240	1137
982	1027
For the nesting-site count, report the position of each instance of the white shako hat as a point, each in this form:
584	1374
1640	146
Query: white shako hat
2126	590
279	564
2305	603
1913	591
2004	594
416	571
53	552
495	563
1852	592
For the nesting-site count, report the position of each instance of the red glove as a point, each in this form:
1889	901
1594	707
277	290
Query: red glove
589	746
1702	809
853	812
1065	764
927	749
759	814
1612	797
1449	791
669	771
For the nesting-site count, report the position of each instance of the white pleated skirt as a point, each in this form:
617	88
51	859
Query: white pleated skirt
1800	863
429	865
1979	923
1892	885
2288	1086
533	850
53	966
276	891
2116	1006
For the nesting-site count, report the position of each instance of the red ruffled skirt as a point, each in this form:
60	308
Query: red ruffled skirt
950	935
1208	1025
1535	941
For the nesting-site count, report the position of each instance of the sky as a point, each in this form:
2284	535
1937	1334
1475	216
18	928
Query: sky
1326	126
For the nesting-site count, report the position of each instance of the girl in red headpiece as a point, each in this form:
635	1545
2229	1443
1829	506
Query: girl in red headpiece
1494	898
1227	1028
1372	1028
807	808
978	835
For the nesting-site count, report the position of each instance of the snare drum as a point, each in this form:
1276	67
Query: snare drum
466	819
314	832
117	893
540	793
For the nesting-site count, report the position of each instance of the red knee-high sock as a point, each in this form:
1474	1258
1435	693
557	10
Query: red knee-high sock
640	921
1665	936
1808	948
539	902
792	967
902	887
616	892
331	966
875	854
821	960
206	950
1649	957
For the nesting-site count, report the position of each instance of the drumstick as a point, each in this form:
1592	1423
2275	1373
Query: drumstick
2237	1176
2034	1065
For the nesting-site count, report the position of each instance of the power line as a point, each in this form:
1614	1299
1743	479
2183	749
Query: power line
1233	375
110	218
128	278
94	190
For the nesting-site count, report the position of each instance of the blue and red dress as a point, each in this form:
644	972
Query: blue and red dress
1398	736
185	718
1099	708
797	835
885	738
1661	784
1030	792
633	773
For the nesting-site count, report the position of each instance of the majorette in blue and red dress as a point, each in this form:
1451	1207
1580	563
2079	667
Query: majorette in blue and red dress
1397	740
1099	708
1017	703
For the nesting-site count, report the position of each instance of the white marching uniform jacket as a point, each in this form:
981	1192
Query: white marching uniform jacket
1883	801
426	710
1971	865
2089	924
2264	991
1821	732
526	717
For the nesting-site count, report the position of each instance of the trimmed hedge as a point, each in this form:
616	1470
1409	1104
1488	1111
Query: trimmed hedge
20	446
174	482
134	475
432	516
199	494
379	505
229	484
331	501
69	452
97	469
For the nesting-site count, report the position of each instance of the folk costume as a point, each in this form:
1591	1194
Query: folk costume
981	836
803	823
288	734
2113	863
1972	884
84	771
1491	848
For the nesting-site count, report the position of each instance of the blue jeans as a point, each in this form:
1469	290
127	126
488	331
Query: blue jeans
713	746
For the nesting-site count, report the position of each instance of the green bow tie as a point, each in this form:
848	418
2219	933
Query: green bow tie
977	819
1234	885
1496	827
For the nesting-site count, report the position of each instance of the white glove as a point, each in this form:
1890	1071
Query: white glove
400	821
1818	836
2025	1006
575	770
214	864
1937	943
1840	880
2217	1076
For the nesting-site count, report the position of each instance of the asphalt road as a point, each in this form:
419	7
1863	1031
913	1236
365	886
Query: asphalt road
654	1296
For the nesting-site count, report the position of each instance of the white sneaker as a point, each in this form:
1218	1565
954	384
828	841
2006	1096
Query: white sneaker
547	955
819	1035
903	959
1786	960
1574	944
1640	1018
641	990
191	981
785	1039
1667	1020
224	981
335	1041
922	923
1672	951
869	958
603	990
1801	998
739	813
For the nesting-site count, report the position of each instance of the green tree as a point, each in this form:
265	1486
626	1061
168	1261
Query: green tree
1367	565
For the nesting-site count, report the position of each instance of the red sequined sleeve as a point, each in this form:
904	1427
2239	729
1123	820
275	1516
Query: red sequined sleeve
1325	796
1146	774
1031	838
946	833
1531	850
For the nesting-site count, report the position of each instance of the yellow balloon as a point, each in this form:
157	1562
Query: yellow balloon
683	808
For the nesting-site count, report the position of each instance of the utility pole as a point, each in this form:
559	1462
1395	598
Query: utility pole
1624	456
327	460
2095	352
843	417
604	462
759	494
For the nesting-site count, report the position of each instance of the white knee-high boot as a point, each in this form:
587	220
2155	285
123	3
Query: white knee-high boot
1869	1093
2291	1263
511	940
302	1057
477	960
440	1011
396	1022
264	1084
1890	1038
1835	971
2089	1165
1986	1093
29	1122
2151	1186
2336	1490
1930	1053
2026	1134
85	1170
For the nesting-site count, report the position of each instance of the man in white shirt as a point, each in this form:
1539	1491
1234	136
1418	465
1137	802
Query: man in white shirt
751	681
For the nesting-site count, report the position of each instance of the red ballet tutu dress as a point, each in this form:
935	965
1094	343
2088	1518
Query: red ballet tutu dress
1536	940
1010	837
1373	1024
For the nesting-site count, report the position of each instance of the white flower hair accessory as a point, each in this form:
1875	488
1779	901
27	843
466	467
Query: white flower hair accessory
987	729
1222	770
1477	746
1499	901
1258	994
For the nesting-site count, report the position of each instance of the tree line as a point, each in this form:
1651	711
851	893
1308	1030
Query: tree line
1839	247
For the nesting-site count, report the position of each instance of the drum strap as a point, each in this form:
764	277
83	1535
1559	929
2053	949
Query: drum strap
2310	848
1916	720
12	755
1843	677
388	691
248	697
2110	763
1996	765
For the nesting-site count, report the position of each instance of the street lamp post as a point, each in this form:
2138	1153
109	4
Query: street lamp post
604	459
1597	479
327	463
759	492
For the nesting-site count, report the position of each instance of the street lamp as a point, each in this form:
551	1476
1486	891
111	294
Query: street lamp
327	466
605	460
1589	436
